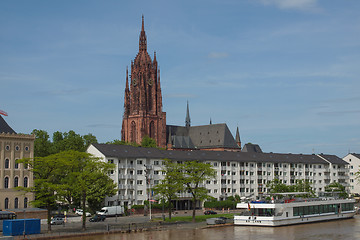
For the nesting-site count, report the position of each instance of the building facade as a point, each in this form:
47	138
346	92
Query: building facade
238	173
353	159
143	115
14	146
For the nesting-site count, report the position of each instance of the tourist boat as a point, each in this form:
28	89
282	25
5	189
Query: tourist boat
292	210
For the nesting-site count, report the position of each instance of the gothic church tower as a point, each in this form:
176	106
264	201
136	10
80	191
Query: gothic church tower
143	113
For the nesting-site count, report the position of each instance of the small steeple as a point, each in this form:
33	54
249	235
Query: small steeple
187	119
210	121
142	40
127	79
237	137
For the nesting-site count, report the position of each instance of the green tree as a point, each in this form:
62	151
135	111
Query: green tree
337	188
148	142
276	186
193	174
170	185
42	144
47	171
87	178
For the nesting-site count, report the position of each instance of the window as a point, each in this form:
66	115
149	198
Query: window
16	182
139	172
16	164
111	161
25	202
16	203
156	182
215	190
7	163
6	182
215	164
7	148
25	182
139	192
6	203
139	182
156	172
27	148
156	163
17	148
139	161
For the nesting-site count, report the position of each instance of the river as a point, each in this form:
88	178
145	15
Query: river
334	230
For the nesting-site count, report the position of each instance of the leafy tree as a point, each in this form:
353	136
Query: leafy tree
193	175
338	188
276	186
148	142
171	184
60	142
121	142
42	144
86	179
47	173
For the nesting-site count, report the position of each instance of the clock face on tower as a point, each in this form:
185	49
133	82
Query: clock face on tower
150	81
134	81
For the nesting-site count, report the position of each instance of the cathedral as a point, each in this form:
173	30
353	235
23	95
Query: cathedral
143	114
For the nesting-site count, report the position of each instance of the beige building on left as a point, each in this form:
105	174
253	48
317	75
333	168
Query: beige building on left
14	146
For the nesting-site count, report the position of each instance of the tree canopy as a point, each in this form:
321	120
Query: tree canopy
60	142
69	175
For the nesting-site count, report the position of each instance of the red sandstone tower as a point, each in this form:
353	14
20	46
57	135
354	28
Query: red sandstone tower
143	113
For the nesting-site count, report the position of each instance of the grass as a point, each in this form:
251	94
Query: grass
199	218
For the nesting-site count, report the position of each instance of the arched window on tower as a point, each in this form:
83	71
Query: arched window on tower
7	163
133	132
16	203
152	130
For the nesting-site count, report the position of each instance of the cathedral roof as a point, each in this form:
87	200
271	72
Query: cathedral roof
4	127
203	137
249	147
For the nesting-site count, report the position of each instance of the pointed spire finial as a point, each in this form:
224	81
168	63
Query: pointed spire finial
237	137
142	40
210	121
187	119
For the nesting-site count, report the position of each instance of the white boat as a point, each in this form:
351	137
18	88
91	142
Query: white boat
294	211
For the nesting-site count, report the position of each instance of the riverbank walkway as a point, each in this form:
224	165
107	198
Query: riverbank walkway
134	223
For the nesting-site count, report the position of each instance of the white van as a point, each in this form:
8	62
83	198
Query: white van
112	211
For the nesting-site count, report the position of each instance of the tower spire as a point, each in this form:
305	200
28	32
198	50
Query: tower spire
237	137
127	78
187	119
142	39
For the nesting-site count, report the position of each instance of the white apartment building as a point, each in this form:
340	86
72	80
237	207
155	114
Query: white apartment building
238	173
353	159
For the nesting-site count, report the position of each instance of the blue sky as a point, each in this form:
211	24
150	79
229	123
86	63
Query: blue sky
286	72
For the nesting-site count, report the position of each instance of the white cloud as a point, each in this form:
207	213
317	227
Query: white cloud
292	4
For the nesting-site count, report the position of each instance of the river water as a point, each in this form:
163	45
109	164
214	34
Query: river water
334	230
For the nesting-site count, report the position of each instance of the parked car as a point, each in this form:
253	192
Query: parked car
80	212
97	218
210	212
57	221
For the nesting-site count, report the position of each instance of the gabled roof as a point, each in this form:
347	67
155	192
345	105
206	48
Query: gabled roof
212	135
333	159
251	148
4	127
124	151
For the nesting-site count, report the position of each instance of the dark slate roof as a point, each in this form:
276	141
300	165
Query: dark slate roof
334	159
182	142
212	135
124	151
252	148
356	155
4	127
